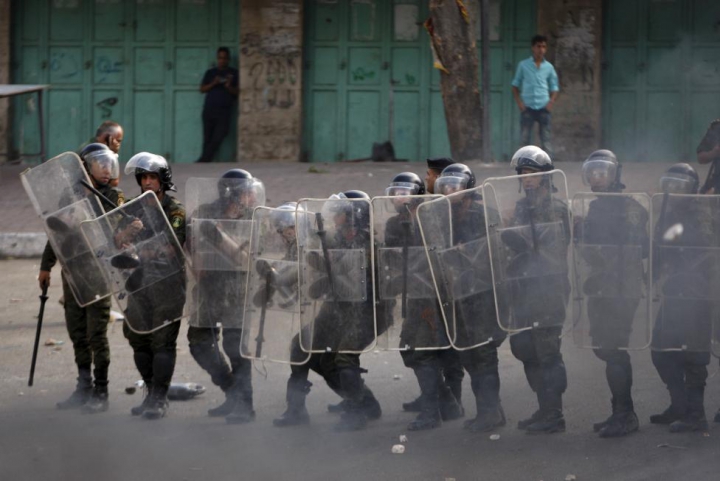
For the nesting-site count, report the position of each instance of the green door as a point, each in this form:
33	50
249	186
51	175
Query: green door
369	78
661	78
139	63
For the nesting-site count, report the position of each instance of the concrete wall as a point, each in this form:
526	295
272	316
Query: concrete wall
271	35
4	73
574	31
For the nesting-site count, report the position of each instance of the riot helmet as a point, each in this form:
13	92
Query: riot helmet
680	179
356	214
601	171
238	186
100	162
147	163
532	158
454	178
404	184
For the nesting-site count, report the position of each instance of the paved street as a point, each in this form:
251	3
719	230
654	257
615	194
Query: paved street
39	442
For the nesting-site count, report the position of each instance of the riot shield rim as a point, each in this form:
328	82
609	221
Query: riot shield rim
575	297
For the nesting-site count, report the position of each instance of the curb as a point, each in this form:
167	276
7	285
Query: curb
22	244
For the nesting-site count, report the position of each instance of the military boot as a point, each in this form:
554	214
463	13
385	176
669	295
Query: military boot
430	416
157	405
620	424
450	408
82	393
225	408
695	419
490	414
552	420
354	418
140	408
337	408
296	413
669	416
717	416
98	402
415	406
370	405
534	417
242	412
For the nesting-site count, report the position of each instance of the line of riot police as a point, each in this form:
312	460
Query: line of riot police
442	271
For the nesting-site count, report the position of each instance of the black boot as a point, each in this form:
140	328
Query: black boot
98	402
296	413
157	405
450	408
717	416
621	424
429	417
415	406
598	426
534	417
669	416
354	418
225	408
140	408
243	411
337	408
552	420
82	393
490	414
695	419
370	405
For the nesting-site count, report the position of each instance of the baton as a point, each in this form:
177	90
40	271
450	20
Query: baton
406	238
326	254
92	189
261	328
43	299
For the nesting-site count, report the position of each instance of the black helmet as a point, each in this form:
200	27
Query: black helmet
603	164
145	162
454	178
359	212
406	183
355	194
284	216
236	182
533	158
680	179
100	161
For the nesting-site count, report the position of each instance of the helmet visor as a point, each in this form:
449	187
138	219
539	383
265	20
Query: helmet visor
448	184
675	183
103	164
147	162
598	172
402	189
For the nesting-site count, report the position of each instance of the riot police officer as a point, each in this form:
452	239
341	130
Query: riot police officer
155	353
540	306
475	314
87	326
682	331
337	325
613	221
222	297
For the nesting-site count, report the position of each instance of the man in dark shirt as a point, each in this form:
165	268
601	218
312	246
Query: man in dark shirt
221	86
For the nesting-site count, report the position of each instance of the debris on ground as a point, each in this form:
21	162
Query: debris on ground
15	301
398	449
397	377
666	445
403	438
494	437
54	342
570	477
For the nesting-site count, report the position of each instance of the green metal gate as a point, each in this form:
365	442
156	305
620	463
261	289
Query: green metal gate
661	80
369	78
136	62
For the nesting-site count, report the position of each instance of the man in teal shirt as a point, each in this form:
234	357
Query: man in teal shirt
535	88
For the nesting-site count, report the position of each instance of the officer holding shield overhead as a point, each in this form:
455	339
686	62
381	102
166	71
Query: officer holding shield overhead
157	305
87	326
529	256
611	265
219	230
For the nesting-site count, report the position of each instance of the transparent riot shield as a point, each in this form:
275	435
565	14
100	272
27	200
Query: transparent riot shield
611	270
142	261
528	245
59	197
454	235
685	271
218	240
335	250
272	327
407	310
